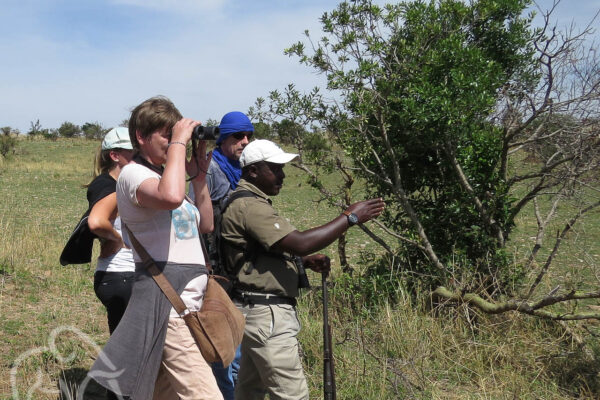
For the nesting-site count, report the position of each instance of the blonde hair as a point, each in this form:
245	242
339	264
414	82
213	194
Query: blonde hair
102	163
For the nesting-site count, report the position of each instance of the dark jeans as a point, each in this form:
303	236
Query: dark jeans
113	289
227	376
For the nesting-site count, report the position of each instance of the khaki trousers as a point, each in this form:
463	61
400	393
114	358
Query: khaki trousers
184	374
270	355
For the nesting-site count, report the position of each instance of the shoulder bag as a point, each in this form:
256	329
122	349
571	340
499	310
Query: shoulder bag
218	327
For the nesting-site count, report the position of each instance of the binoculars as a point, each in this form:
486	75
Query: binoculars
205	133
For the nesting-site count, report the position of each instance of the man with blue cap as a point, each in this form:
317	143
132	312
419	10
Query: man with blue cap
224	173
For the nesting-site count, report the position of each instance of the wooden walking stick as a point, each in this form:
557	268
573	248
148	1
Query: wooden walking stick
328	370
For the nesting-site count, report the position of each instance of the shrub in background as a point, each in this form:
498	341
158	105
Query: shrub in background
7	145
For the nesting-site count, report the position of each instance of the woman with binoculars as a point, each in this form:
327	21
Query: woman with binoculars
152	353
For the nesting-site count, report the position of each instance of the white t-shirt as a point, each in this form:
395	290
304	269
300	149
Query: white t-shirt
122	260
167	235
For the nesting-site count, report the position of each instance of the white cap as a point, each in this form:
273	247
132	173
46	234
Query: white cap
117	138
264	150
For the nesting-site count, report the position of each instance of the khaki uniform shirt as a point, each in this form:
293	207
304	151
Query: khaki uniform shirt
253	225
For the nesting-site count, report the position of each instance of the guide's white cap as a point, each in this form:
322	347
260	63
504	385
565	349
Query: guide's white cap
264	150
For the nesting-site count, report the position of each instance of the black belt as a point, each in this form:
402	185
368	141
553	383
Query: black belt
263	299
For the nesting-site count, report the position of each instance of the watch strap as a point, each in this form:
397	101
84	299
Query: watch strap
352	218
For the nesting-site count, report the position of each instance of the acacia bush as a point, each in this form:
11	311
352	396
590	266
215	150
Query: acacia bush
419	82
68	129
437	104
7	145
93	130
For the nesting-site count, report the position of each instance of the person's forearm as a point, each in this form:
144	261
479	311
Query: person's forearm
110	239
204	204
315	239
172	183
105	231
101	215
307	242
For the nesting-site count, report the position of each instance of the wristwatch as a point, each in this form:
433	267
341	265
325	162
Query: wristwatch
352	218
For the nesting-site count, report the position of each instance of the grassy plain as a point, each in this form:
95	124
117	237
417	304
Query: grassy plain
52	325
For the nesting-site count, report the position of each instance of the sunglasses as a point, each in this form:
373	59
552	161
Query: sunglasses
241	135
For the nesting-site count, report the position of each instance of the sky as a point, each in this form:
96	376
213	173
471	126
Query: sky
94	60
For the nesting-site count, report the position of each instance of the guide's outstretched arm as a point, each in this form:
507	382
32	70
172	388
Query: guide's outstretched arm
315	239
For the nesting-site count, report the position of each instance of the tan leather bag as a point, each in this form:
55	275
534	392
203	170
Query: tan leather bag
218	327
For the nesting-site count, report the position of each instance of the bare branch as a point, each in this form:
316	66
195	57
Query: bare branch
534	309
544	172
398	236
559	239
487	219
542	224
376	238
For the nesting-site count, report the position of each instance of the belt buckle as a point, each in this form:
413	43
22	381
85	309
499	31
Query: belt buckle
246	301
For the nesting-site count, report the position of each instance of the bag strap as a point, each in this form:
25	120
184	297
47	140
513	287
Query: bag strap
204	251
160	279
237	195
247	255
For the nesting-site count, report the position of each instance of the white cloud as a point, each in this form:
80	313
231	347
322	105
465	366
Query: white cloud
217	57
207	70
174	5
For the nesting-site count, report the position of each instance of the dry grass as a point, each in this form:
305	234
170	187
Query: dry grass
42	199
392	351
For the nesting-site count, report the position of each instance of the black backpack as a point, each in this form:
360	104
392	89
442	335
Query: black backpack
213	239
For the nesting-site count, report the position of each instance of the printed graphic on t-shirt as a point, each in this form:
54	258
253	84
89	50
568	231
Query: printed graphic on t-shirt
184	222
